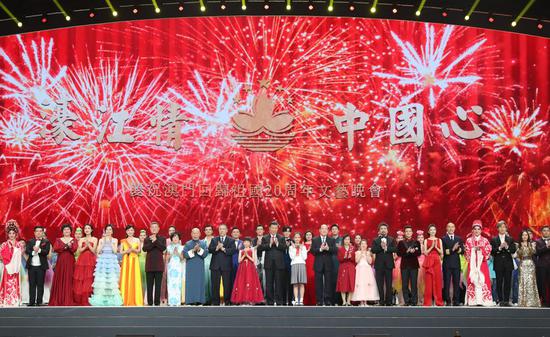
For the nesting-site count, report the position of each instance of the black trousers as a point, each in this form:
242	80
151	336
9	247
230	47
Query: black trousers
384	277
323	287
543	275
274	286
410	293
225	277
36	284
154	279
454	275
504	284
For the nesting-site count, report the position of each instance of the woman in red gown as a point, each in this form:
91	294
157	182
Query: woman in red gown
61	293
84	267
247	288
345	284
433	283
309	293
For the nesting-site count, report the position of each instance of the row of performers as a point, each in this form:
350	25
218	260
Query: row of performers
277	269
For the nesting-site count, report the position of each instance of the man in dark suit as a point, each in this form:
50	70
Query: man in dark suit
453	246
37	250
154	245
323	248
222	249
409	250
543	265
235	235
383	247
502	248
256	242
273	247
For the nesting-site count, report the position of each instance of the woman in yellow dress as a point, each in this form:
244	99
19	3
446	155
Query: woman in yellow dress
130	278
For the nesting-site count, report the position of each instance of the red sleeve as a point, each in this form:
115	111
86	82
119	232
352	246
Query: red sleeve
6	251
58	246
74	246
341	254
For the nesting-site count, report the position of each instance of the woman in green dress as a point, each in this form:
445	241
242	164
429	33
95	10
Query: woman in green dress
142	255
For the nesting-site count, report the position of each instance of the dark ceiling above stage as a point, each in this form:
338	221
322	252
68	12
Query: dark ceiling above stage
495	14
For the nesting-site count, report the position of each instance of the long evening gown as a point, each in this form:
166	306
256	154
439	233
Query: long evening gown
84	276
528	293
433	277
142	257
130	279
62	291
247	288
174	274
10	293
309	293
365	282
107	273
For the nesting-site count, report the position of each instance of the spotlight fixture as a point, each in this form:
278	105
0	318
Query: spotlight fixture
351	7
243	5
539	25
330	6
44	18
113	9
180	7
155	4
58	5
472	9
288	5
135	10
373	7
10	14
419	10
491	19
91	13
394	10
222	5
522	13
266	4
310	7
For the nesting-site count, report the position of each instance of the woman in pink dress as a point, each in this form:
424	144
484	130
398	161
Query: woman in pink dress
345	284
433	250
247	288
61	293
85	267
10	253
420	239
365	282
309	293
477	251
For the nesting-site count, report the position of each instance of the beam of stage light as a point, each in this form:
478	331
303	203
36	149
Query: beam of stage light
522	13
203	7
155	4
331	5
67	16
243	5
373	7
288	5
472	9
10	14
113	10
419	10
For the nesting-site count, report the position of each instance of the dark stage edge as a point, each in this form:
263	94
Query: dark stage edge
256	321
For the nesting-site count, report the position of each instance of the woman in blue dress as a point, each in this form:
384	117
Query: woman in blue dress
107	272
175	270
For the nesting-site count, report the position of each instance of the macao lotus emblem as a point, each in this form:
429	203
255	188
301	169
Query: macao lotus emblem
262	130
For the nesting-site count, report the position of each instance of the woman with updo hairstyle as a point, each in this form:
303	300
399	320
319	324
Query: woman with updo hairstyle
10	255
107	272
61	293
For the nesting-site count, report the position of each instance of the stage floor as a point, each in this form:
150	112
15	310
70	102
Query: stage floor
256	321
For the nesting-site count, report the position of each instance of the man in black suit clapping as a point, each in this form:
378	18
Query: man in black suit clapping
273	247
37	250
502	248
222	249
383	247
323	248
452	248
